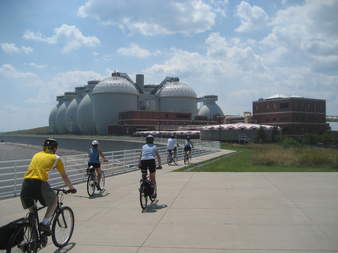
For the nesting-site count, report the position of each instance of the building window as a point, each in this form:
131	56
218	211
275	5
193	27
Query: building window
283	105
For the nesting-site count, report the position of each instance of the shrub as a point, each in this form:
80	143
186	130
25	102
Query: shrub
288	142
274	155
310	139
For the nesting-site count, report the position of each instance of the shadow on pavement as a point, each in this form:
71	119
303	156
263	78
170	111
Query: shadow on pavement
152	208
66	248
96	195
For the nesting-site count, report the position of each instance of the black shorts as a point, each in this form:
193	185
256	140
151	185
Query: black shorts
172	150
187	148
34	189
95	165
148	165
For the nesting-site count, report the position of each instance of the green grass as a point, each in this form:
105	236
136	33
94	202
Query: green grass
271	158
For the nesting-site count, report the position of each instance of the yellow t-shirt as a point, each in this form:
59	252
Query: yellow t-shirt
41	164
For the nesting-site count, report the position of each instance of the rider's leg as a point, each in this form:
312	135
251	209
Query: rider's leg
153	180
49	212
99	175
49	199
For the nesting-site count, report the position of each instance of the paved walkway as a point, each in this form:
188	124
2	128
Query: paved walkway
206	213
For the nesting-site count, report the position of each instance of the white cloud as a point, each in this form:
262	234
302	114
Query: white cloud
154	17
68	35
22	117
11	48
9	71
136	51
251	17
240	71
47	90
38	66
306	34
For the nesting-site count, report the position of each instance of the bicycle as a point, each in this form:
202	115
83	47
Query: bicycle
187	157
92	183
171	158
29	237
146	190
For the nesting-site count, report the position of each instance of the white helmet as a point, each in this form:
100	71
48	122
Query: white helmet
95	142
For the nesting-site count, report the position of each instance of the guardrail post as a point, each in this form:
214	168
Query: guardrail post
124	158
15	178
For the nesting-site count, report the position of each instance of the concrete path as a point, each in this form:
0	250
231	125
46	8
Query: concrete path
205	213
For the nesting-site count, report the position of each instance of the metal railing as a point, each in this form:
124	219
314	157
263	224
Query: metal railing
123	161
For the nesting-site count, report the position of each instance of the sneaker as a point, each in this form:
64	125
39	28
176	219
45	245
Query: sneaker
98	187
45	228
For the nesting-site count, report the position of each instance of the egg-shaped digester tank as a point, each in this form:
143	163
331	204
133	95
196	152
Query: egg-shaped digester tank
61	113
71	114
52	115
85	113
176	96
209	108
111	96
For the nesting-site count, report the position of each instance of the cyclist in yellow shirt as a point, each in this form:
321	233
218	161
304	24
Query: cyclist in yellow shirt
35	185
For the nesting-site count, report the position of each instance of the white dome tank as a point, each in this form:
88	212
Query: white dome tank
61	113
111	96
85	114
52	115
177	97
71	114
210	109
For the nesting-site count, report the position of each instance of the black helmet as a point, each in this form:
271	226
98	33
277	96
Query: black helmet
50	144
188	138
150	139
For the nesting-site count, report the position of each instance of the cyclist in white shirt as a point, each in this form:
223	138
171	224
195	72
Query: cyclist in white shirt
172	146
148	155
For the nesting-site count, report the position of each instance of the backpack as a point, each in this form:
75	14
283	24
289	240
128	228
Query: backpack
10	232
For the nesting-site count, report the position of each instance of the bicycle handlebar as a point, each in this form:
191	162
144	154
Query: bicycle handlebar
65	191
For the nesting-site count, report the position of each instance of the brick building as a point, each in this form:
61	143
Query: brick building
131	121
295	115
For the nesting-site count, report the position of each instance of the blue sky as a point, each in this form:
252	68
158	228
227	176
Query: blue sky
238	50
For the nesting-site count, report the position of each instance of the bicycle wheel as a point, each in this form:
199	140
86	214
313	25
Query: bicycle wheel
63	226
91	185
102	181
24	239
143	197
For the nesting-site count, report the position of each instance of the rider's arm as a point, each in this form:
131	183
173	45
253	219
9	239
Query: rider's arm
66	180
158	158
61	169
102	156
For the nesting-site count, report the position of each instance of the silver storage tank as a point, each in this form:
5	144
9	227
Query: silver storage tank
71	114
85	114
61	113
52	115
111	96
209	108
176	96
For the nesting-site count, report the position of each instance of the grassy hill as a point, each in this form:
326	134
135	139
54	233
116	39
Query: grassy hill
38	130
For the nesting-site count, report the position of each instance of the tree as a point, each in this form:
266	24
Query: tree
261	136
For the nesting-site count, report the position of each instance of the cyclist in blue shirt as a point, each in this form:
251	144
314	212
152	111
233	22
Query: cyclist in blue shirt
147	162
94	160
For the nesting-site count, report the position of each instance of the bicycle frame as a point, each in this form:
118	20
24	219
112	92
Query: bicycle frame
33	217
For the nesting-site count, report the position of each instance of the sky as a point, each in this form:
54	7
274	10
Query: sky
238	50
